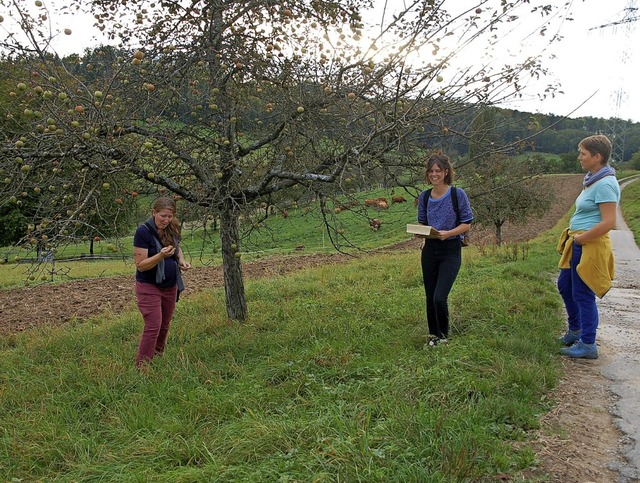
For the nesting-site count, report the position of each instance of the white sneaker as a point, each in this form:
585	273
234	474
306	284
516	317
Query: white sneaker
435	341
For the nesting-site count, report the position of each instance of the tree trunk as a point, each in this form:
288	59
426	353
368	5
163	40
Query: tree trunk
498	234
236	300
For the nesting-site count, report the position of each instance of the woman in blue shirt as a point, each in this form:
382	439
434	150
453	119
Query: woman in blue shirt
587	238
441	256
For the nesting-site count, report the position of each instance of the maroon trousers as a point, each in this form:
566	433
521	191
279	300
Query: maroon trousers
156	306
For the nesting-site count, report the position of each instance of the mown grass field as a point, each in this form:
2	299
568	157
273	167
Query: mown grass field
327	381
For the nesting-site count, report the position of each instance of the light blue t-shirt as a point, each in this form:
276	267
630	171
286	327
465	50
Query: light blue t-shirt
587	213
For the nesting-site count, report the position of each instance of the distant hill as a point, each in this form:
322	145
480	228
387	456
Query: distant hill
532	132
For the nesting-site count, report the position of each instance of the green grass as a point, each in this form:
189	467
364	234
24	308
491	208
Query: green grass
631	208
305	227
15	275
327	381
626	173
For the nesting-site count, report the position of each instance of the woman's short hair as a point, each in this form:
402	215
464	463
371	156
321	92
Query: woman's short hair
444	163
597	144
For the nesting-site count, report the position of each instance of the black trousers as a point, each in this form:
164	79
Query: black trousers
441	262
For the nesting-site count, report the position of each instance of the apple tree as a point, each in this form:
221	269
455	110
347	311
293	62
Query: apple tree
233	105
504	189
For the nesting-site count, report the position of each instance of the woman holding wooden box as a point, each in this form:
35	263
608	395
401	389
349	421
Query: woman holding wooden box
447	210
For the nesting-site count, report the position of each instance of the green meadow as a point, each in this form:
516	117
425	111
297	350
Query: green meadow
631	208
328	380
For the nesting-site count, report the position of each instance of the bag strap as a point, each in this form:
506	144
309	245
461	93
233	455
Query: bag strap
426	201
454	202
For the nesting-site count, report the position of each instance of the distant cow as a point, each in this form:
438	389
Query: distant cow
398	199
375	224
345	206
378	203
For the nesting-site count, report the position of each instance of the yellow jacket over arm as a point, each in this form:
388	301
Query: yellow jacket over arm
596	267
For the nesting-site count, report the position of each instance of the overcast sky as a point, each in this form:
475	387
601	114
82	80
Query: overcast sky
594	65
596	61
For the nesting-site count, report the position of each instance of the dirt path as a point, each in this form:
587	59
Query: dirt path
619	335
593	434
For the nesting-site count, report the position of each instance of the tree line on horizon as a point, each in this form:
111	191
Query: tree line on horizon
515	132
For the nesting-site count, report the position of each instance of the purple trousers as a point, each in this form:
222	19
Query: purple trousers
579	300
156	306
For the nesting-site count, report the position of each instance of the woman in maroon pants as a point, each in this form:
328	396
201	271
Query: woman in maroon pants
159	260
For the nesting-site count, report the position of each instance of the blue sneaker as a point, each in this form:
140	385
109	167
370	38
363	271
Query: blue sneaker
580	350
569	337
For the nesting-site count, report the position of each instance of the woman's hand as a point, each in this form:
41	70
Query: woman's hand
144	262
167	251
184	265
